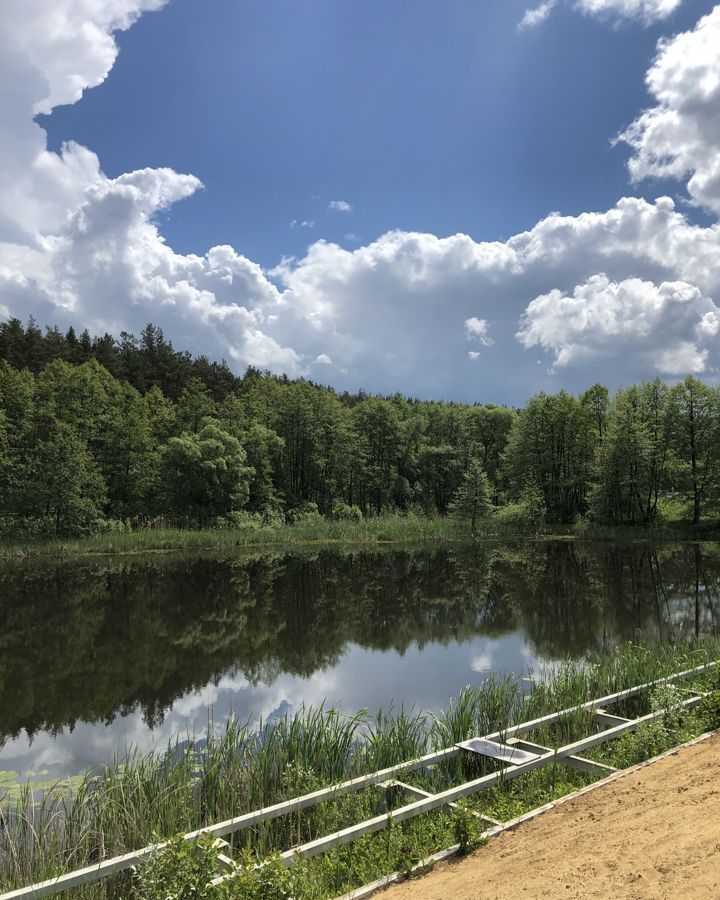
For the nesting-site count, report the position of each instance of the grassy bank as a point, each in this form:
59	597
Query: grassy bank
408	530
382	529
142	797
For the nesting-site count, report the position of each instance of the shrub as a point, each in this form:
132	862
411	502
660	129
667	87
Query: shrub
523	517
239	519
709	710
342	512
466	827
269	881
306	513
182	871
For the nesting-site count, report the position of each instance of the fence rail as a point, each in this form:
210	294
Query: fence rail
614	726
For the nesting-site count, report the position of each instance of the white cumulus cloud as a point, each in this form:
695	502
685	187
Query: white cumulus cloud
538	14
680	136
339	206
477	330
395	314
633	325
78	246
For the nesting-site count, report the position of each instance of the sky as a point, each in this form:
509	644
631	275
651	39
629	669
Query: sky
460	200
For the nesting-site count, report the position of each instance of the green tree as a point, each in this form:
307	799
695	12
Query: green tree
486	433
472	499
129	456
694	409
63	484
161	414
377	425
632	468
551	445
5	463
440	471
204	475
18	434
596	400
194	406
264	450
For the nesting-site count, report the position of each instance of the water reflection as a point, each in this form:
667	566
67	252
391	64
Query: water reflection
96	654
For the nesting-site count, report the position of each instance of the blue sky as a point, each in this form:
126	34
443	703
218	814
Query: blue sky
445	121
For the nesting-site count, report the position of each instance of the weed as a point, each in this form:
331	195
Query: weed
467	829
124	806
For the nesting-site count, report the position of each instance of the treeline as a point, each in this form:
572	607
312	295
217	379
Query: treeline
97	434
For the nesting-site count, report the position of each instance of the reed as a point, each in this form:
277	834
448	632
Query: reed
145	796
406	529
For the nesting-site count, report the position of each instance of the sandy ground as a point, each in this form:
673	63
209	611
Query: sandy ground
651	835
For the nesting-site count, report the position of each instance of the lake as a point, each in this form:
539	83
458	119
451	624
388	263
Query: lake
97	654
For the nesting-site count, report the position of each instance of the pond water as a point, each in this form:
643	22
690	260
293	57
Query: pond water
99	654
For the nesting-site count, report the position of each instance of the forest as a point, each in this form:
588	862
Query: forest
100	434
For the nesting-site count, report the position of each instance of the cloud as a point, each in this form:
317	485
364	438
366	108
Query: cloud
647	12
394	311
476	329
78	246
339	206
680	136
632	325
69	44
483	662
395	314
536	16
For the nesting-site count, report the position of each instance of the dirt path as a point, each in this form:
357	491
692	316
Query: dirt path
651	835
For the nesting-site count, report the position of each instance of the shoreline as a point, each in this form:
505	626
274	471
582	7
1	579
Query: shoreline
373	532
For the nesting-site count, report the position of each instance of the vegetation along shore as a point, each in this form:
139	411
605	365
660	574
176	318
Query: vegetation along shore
142	797
107	438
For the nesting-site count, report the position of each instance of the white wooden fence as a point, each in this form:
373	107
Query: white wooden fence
520	757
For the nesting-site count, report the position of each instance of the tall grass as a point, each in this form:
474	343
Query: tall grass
392	528
143	797
407	529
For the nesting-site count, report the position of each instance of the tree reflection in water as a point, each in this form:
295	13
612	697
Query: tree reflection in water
91	640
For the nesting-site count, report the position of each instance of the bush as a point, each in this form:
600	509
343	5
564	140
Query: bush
517	517
466	827
306	513
673	509
273	516
110	526
269	881
709	709
182	871
239	519
342	512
